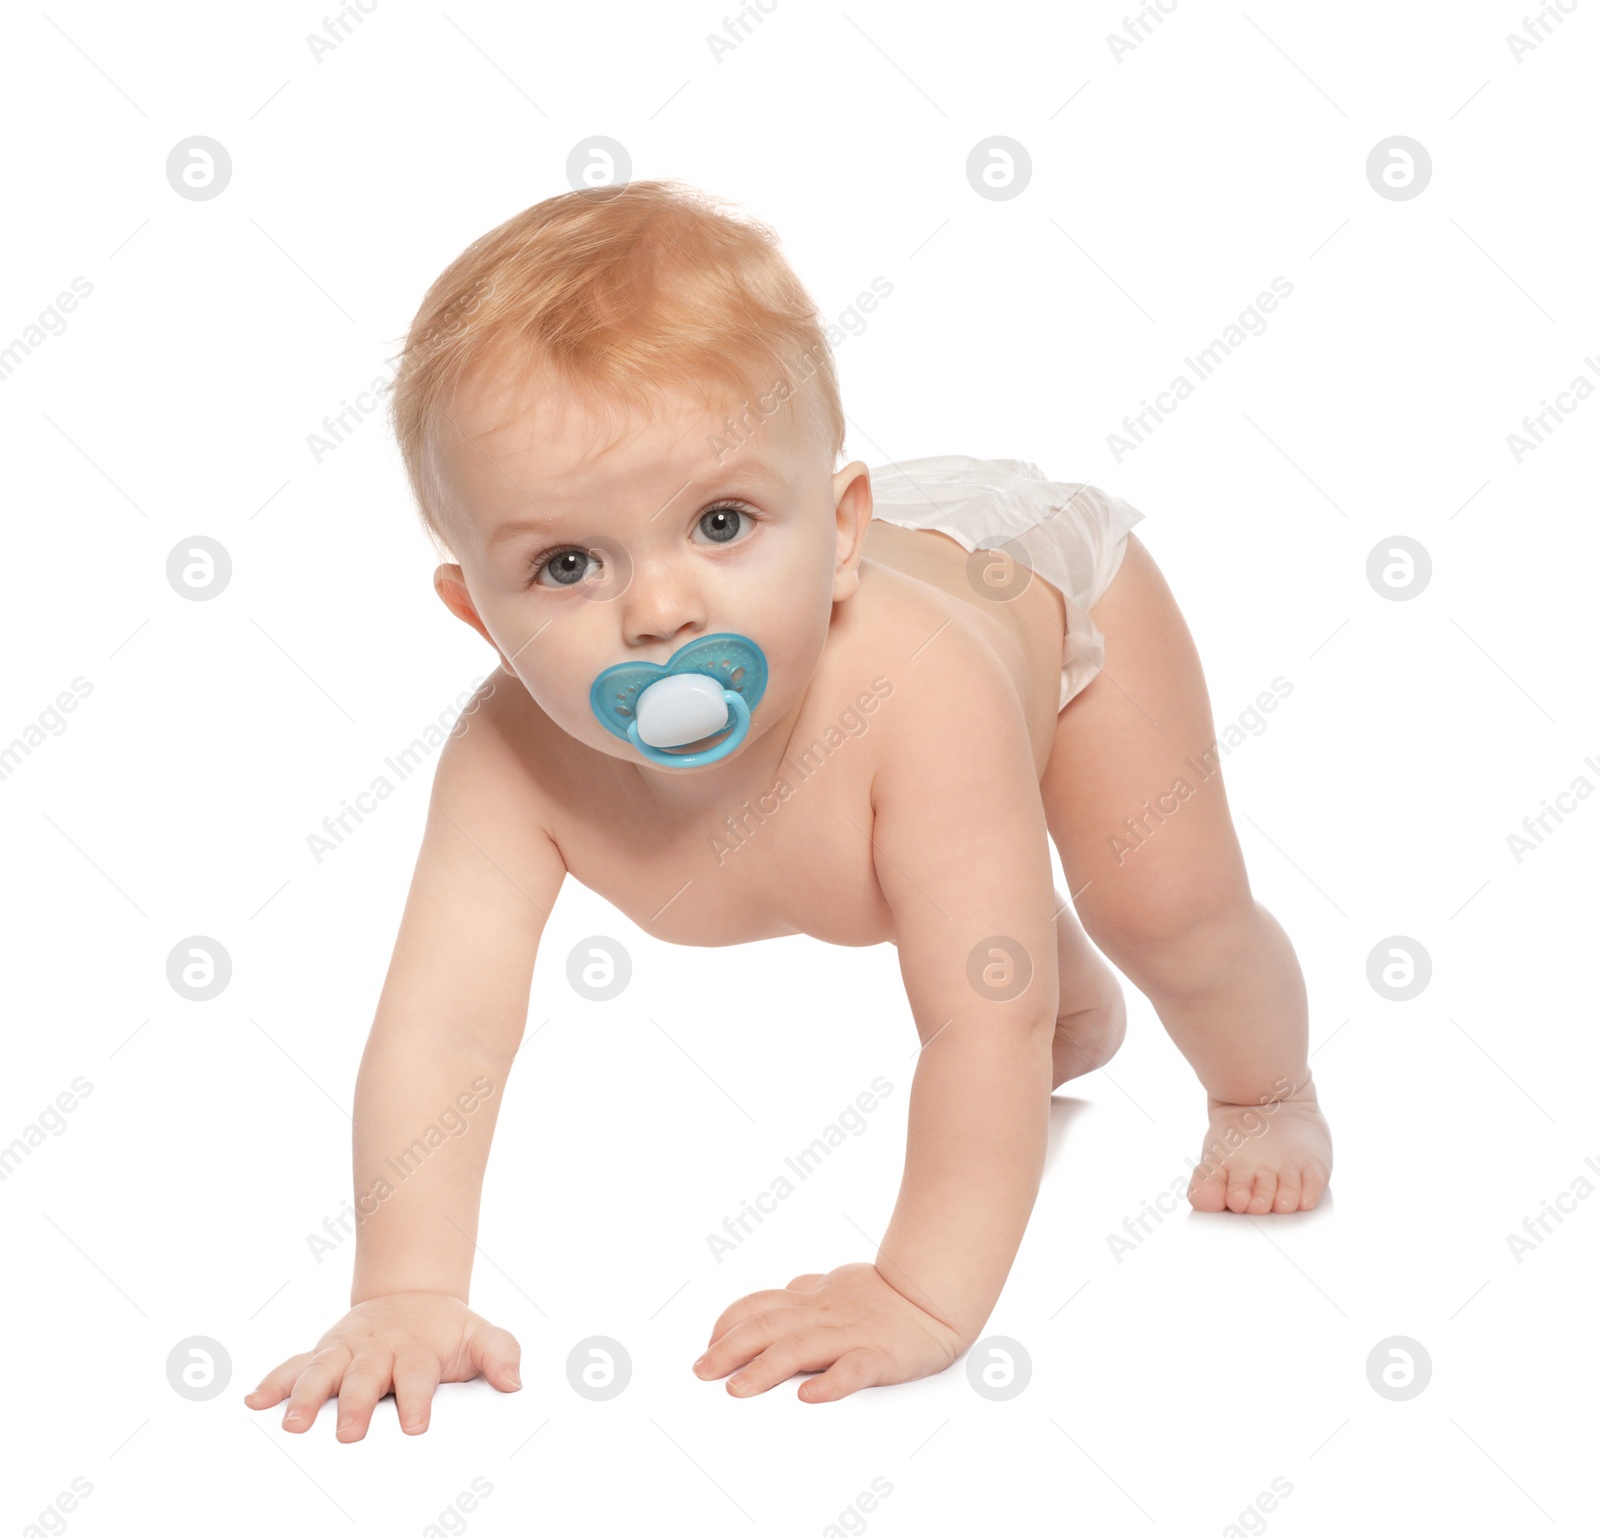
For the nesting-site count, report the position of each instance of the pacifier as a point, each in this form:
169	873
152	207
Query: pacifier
700	688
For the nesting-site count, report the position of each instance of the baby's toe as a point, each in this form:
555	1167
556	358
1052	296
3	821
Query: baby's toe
1266	1189
1288	1197
1241	1187
1313	1182
1210	1193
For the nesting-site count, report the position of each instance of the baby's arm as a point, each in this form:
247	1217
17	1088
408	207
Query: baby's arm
960	847
448	1022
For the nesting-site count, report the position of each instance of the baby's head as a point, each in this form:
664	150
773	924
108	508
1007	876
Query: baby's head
620	419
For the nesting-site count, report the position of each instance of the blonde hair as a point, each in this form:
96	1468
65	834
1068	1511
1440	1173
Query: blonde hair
628	296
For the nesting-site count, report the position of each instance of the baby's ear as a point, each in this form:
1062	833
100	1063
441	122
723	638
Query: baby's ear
451	586
852	487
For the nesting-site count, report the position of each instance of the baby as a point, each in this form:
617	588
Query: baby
620	418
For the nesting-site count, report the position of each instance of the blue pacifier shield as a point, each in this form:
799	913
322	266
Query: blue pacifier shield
723	677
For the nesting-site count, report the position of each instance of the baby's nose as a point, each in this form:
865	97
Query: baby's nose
659	606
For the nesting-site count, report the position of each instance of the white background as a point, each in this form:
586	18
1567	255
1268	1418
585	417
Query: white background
1167	190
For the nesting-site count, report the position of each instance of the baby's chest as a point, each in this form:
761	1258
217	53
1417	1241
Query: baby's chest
792	857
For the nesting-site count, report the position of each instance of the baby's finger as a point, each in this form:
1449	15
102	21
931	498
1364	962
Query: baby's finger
416	1376
496	1354
746	1340
747	1308
277	1383
317	1380
798	1351
366	1381
860	1367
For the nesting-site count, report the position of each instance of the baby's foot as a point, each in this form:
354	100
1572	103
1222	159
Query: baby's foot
1264	1158
1087	1040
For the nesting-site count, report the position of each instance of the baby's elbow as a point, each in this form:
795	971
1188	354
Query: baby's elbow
1016	999
1017	1022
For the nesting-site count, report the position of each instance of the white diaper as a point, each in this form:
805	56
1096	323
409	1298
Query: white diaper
1073	535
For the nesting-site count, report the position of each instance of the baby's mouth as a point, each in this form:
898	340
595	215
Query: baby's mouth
713	682
702	742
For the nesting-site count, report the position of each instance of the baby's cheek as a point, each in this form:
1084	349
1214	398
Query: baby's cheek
565	702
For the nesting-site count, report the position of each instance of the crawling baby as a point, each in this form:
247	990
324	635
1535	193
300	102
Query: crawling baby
620	418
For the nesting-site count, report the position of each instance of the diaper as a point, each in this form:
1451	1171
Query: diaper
1071	534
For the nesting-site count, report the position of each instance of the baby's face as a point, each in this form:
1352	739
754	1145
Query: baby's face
569	567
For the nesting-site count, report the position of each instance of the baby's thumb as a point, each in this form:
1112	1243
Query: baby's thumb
496	1354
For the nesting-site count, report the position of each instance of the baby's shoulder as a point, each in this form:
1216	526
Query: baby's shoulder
493	755
923	644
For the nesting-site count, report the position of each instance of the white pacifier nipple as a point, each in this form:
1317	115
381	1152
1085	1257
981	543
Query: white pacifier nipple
683	707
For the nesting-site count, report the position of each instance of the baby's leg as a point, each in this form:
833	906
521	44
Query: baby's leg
1170	903
1091	1018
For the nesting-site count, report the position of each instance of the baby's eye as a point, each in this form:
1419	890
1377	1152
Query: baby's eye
722	524
567	567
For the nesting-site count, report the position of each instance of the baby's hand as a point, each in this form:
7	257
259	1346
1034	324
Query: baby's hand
412	1341
850	1322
